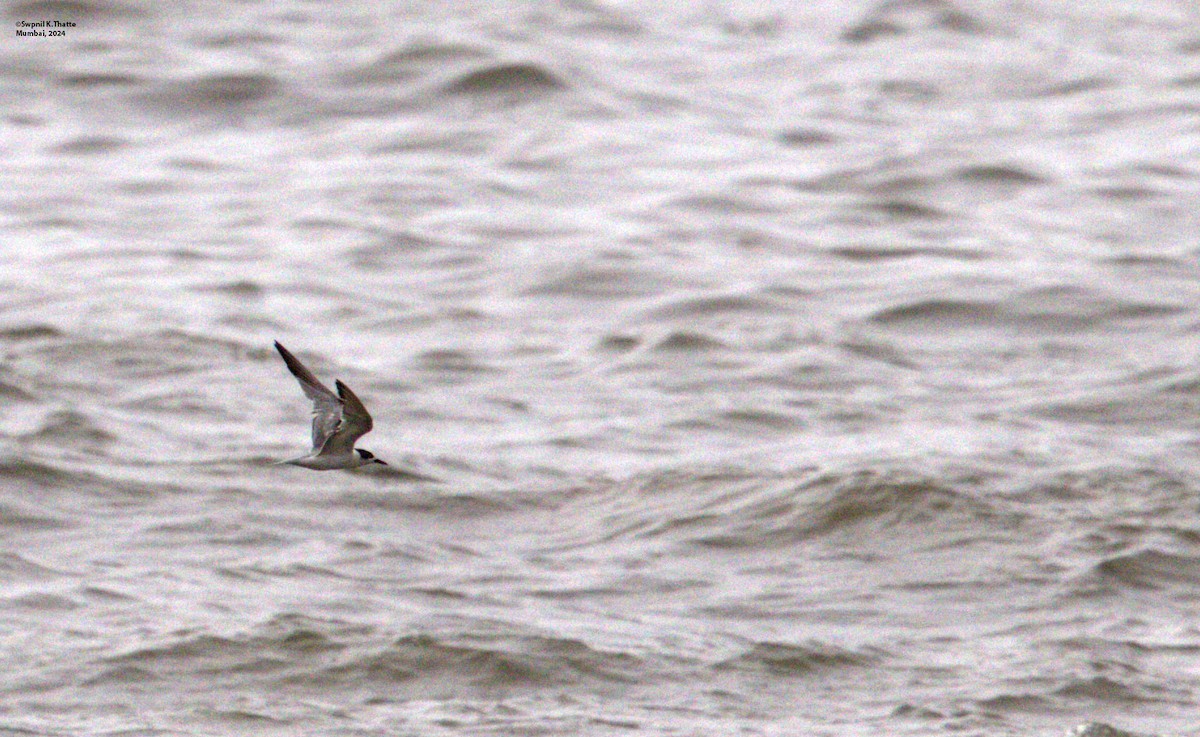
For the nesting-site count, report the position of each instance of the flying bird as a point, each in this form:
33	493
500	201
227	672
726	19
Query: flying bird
339	420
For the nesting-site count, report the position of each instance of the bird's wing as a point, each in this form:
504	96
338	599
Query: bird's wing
356	422
327	406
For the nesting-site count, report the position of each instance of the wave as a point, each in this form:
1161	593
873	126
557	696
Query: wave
733	509
481	662
1149	568
1045	309
784	659
302	651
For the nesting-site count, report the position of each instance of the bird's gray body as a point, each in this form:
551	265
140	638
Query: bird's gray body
339	420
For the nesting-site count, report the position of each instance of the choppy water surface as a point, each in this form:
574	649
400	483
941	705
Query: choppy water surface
795	368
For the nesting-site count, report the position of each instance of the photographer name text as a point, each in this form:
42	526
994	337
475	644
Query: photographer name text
43	28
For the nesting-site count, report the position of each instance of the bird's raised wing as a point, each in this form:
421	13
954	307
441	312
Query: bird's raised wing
356	422
327	406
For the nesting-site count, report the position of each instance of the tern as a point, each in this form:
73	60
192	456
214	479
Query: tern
339	420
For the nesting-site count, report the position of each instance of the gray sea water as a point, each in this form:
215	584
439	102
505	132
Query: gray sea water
760	368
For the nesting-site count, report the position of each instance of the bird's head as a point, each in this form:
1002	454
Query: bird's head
368	457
